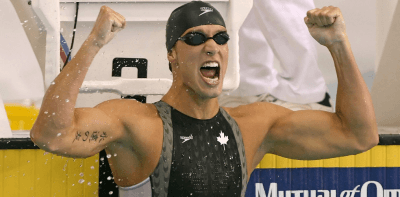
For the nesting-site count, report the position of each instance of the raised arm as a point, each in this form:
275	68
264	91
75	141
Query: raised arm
316	134
62	129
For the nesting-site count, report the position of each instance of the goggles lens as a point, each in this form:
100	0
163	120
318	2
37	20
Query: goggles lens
197	38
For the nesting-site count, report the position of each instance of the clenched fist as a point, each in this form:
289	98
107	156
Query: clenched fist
326	25
107	25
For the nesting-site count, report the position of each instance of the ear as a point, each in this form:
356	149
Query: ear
171	55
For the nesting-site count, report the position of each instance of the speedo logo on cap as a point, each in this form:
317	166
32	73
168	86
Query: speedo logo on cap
205	10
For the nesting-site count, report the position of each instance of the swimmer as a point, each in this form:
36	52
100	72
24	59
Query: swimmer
186	144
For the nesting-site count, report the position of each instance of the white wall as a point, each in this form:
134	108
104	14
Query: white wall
385	91
384	16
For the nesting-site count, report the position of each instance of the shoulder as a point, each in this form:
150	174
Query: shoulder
257	112
133	115
256	120
141	121
126	107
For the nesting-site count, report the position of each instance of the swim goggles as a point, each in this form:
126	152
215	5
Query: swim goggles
197	38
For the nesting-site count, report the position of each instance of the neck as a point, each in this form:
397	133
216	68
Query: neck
191	104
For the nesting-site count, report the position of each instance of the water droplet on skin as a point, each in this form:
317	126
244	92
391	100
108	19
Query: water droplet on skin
52	83
57	96
66	100
115	154
58	134
46	112
53	113
81	181
108	155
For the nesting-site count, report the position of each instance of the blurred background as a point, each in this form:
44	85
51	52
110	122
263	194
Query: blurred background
24	76
367	21
23	62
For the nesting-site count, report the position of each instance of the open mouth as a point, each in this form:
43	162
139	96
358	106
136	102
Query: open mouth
210	72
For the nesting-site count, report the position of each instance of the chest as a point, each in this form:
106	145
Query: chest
205	157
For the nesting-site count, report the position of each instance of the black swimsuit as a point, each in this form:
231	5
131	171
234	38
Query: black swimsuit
199	157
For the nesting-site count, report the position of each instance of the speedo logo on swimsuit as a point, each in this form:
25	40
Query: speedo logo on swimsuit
185	139
205	10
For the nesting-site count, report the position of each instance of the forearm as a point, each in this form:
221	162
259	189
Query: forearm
353	104
57	111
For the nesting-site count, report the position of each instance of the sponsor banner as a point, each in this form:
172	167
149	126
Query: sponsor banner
325	182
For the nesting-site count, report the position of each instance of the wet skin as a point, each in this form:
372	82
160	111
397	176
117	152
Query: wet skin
133	131
190	93
187	60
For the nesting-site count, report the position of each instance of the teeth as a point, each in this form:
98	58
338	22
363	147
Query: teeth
213	81
210	64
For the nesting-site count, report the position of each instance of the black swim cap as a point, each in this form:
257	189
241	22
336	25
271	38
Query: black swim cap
190	15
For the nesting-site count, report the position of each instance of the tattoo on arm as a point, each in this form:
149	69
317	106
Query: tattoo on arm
103	136
96	136
84	138
77	136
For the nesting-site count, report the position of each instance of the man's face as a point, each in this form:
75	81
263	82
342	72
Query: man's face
201	68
